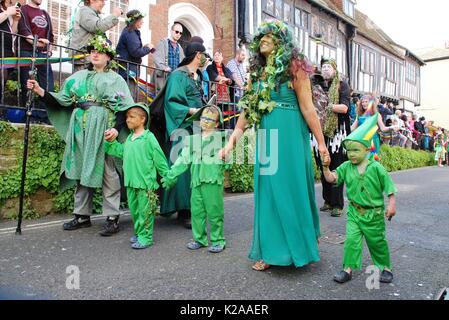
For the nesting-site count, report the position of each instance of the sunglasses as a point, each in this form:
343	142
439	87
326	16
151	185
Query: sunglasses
178	32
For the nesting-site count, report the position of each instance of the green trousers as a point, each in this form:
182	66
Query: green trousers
371	226
207	204
143	206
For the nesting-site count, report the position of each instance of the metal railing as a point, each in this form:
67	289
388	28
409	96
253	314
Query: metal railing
144	81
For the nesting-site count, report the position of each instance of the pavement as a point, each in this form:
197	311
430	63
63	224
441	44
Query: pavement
43	262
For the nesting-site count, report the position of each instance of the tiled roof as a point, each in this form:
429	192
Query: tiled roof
366	27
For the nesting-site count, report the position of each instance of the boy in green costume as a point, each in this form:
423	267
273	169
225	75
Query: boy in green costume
366	180
200	152
142	156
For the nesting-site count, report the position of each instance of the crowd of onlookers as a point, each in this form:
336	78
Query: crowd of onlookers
224	80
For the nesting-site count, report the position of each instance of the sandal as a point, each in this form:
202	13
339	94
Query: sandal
260	266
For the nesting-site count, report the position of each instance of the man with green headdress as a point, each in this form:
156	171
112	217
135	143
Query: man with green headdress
89	107
366	182
182	98
336	125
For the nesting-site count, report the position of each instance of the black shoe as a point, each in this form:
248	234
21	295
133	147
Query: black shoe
326	208
77	223
343	277
110	227
386	277
184	214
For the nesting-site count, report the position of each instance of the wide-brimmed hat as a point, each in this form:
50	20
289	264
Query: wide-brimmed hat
192	49
102	45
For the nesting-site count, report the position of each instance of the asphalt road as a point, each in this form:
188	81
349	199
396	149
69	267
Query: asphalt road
34	265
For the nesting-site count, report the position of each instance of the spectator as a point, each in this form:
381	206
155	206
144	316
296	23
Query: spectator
9	21
130	49
169	54
88	24
238	73
353	107
36	21
223	78
383	110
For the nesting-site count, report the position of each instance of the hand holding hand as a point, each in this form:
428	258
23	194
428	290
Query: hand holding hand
168	183
110	135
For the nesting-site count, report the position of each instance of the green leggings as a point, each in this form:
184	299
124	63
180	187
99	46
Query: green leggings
142	204
207	203
371	226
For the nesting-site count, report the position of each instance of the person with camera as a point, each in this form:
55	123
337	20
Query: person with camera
88	24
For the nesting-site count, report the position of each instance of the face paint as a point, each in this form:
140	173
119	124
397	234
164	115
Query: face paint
327	71
203	60
208	120
356	151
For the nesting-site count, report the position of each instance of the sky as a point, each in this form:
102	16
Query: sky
414	24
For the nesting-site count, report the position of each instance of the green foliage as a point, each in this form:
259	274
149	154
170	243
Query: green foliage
12	86
242	168
392	158
6	130
397	158
28	212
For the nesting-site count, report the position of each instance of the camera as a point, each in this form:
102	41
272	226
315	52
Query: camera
18	5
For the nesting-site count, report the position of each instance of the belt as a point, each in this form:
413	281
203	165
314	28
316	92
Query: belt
362	209
287	106
87	105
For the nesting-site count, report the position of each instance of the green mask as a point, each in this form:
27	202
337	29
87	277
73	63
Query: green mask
356	151
203	60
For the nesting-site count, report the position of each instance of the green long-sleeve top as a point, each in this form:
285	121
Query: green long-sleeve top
201	154
367	189
182	93
141	158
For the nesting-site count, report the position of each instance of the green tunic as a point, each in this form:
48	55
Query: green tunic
83	130
366	190
286	221
201	155
141	158
207	171
182	93
366	213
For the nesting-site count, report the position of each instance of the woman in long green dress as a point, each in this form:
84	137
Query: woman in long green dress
279	103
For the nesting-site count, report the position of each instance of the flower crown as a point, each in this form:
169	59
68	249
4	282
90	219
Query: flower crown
134	18
101	44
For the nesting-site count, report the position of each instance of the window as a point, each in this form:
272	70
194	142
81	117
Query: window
60	12
410	73
392	70
367	61
348	7
301	19
288	12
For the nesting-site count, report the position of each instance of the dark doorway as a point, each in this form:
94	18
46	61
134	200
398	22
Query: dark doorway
185	38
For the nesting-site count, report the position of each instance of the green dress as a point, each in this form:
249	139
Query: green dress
83	130
286	221
182	93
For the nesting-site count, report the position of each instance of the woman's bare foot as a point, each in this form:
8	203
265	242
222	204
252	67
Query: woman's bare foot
260	266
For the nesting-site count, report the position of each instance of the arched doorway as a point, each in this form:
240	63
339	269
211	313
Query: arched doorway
194	21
